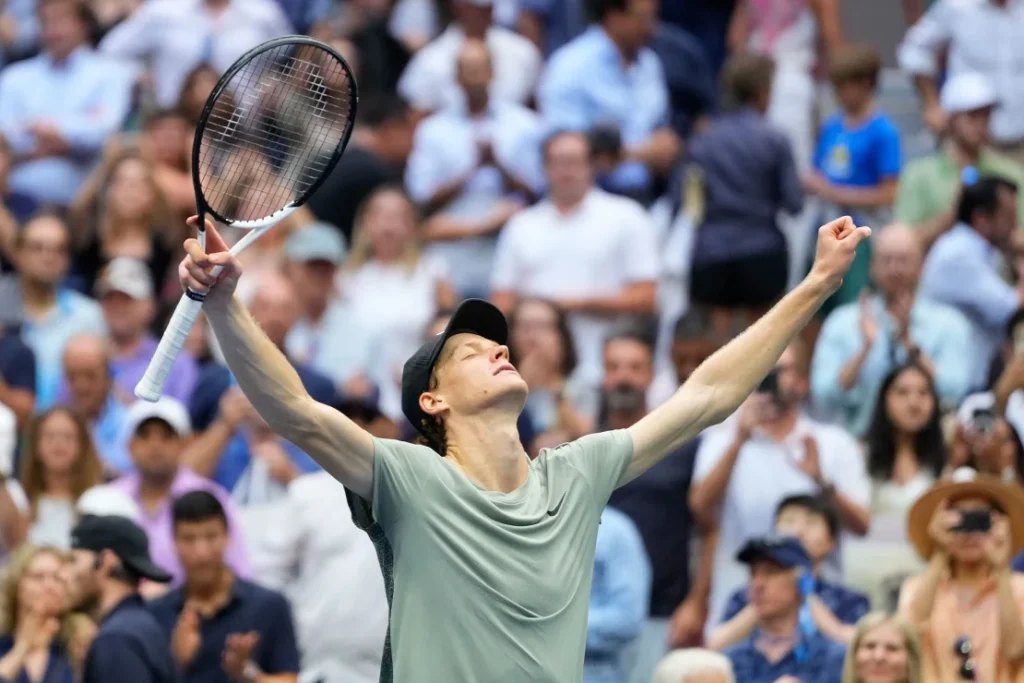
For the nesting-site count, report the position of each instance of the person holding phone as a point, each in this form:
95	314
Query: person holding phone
968	604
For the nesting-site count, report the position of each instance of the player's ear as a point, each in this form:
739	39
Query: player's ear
433	403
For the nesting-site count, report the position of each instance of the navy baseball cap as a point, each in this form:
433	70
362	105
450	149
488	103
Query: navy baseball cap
124	538
785	551
473	316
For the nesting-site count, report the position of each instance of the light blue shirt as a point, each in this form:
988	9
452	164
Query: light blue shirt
962	270
585	83
446	149
339	346
940	331
108	434
619	599
87	99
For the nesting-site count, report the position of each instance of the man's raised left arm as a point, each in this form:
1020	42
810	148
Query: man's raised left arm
717	388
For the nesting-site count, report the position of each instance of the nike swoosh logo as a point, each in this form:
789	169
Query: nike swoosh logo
558	506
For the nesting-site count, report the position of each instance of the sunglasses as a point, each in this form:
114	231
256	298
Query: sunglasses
963	649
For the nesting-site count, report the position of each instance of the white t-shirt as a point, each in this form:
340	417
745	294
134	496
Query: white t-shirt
764	474
607	244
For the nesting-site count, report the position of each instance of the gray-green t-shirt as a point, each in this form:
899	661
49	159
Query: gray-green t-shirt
489	587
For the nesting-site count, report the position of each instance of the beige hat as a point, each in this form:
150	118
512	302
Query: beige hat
966	483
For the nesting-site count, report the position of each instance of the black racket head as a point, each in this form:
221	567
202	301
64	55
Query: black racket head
272	130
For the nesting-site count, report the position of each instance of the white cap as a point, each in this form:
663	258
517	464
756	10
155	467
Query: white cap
105	499
126	275
967	92
167	409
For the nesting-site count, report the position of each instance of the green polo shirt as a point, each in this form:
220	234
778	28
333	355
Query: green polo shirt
928	186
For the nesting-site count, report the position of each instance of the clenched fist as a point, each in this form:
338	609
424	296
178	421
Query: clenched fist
196	271
837	244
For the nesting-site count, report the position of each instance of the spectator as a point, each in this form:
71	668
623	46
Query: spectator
618	599
550	25
780	646
614	276
34	624
975	37
1009	379
694	666
429	82
834	608
59	465
906	454
609	79
93	395
57	109
693	342
198	85
739	252
158	435
380	145
177	36
165	135
656	503
929	187
692	85
885	649
51	313
986	217
472	166
331	576
15	207
983	440
861	343
772	450
222	628
111	557
385	266
17	379
314	254
985	635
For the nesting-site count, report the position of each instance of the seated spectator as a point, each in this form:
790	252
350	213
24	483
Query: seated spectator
619	597
57	109
906	454
166	137
693	342
609	79
15	207
694	665
885	649
330	575
386	265
613	277
740	259
983	440
1007	380
158	436
834	608
781	645
93	395
986	217
691	82
34	624
51	313
429	81
770	450
196	89
313	255
861	343
58	465
175	37
857	160
222	628
473	165
929	187
968	528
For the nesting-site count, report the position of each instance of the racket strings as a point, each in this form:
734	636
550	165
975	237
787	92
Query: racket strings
272	131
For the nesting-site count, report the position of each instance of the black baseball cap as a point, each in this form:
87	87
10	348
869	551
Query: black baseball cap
124	538
784	551
473	316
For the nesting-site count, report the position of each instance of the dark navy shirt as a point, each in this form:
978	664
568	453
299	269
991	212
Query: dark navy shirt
58	669
250	608
130	646
17	362
822	662
848	605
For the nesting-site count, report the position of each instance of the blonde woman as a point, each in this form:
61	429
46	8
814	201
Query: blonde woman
885	649
59	464
34	631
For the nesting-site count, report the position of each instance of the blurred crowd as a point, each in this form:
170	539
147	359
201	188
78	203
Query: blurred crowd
633	183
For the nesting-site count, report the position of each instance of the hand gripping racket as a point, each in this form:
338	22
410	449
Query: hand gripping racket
273	128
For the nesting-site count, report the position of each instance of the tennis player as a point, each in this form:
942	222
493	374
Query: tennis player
488	556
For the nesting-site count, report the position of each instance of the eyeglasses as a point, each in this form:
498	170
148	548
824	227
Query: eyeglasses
963	649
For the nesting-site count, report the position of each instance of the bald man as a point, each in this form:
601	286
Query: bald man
230	435
862	342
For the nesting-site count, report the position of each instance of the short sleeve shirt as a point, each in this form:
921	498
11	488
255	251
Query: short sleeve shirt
487	586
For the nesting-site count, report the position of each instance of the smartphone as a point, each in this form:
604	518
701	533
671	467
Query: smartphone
770	384
974	521
1018	340
983	420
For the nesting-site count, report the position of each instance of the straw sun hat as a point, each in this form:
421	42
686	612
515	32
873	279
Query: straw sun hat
966	483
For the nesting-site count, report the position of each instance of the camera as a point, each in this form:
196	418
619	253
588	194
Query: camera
974	521
983	420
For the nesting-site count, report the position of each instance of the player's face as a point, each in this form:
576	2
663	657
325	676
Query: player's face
474	374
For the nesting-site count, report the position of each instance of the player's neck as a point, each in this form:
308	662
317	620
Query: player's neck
489	452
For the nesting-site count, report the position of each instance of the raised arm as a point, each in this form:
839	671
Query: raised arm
717	388
266	377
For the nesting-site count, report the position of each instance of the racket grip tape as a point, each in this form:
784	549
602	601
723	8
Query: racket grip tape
151	386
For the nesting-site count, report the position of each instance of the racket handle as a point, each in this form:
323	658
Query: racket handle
151	386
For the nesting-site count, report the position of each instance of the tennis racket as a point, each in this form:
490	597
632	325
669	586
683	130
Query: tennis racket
273	128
